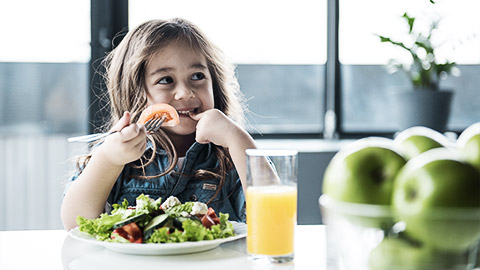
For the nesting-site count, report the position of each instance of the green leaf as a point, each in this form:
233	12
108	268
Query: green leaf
388	40
384	39
147	205
425	45
410	21
100	227
177	210
447	67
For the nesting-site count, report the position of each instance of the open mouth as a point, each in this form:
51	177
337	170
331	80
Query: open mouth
187	112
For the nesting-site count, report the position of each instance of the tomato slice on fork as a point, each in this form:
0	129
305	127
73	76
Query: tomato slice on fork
159	110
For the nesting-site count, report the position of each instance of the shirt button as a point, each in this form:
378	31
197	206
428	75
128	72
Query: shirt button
193	198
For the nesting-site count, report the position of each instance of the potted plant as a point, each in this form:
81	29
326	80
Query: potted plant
424	103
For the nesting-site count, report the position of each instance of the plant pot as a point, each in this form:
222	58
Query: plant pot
422	108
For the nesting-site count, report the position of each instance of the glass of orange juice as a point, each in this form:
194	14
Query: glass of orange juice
271	204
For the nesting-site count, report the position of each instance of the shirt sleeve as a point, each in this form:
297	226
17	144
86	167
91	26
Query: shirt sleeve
69	182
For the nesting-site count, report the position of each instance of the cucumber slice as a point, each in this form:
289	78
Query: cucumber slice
155	223
178	221
129	220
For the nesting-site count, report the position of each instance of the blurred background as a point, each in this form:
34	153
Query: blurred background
313	72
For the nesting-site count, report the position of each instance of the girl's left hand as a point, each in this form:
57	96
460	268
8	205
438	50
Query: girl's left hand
215	127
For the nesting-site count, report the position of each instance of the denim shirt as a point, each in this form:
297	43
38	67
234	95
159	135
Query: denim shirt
182	185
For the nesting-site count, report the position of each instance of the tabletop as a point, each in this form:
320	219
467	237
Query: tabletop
55	249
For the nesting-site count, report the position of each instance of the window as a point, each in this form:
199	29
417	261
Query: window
44	62
364	79
278	46
44	66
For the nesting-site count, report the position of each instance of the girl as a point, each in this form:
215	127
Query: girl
201	159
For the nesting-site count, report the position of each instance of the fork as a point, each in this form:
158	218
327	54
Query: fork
152	125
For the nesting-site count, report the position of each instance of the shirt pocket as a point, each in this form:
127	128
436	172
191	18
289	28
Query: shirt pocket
200	191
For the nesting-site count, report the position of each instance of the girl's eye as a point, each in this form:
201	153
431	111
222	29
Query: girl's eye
165	80
198	76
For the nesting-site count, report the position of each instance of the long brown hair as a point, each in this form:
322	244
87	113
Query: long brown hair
125	82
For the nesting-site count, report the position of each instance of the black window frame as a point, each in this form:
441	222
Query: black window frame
109	20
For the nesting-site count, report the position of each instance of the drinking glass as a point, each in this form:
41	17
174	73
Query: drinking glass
271	204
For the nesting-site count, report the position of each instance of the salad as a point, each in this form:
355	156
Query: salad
152	221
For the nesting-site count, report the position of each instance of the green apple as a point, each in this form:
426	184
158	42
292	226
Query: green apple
401	254
477	265
469	144
396	254
363	172
358	182
415	140
437	195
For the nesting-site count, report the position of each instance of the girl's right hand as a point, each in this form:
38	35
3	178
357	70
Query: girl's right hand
126	145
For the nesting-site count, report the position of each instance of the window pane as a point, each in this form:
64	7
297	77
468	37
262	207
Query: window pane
279	47
44	66
283	98
45	31
365	80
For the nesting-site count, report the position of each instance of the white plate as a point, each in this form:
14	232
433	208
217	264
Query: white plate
240	230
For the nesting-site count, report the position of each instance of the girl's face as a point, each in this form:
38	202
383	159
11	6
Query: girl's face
179	76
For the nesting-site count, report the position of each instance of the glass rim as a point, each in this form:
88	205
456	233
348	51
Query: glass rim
271	152
383	211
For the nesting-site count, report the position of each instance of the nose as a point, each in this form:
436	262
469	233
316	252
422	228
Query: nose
184	92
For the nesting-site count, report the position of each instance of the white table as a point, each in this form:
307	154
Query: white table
55	249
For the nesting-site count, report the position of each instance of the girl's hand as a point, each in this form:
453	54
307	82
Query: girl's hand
215	127
126	145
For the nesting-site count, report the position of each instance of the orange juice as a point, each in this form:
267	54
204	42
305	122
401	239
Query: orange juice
271	217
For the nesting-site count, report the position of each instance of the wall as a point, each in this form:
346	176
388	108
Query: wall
33	170
311	167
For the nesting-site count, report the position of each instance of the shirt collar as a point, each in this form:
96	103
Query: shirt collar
195	147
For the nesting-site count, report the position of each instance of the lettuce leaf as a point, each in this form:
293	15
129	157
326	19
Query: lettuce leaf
122	210
147	205
193	230
100	227
180	210
224	229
